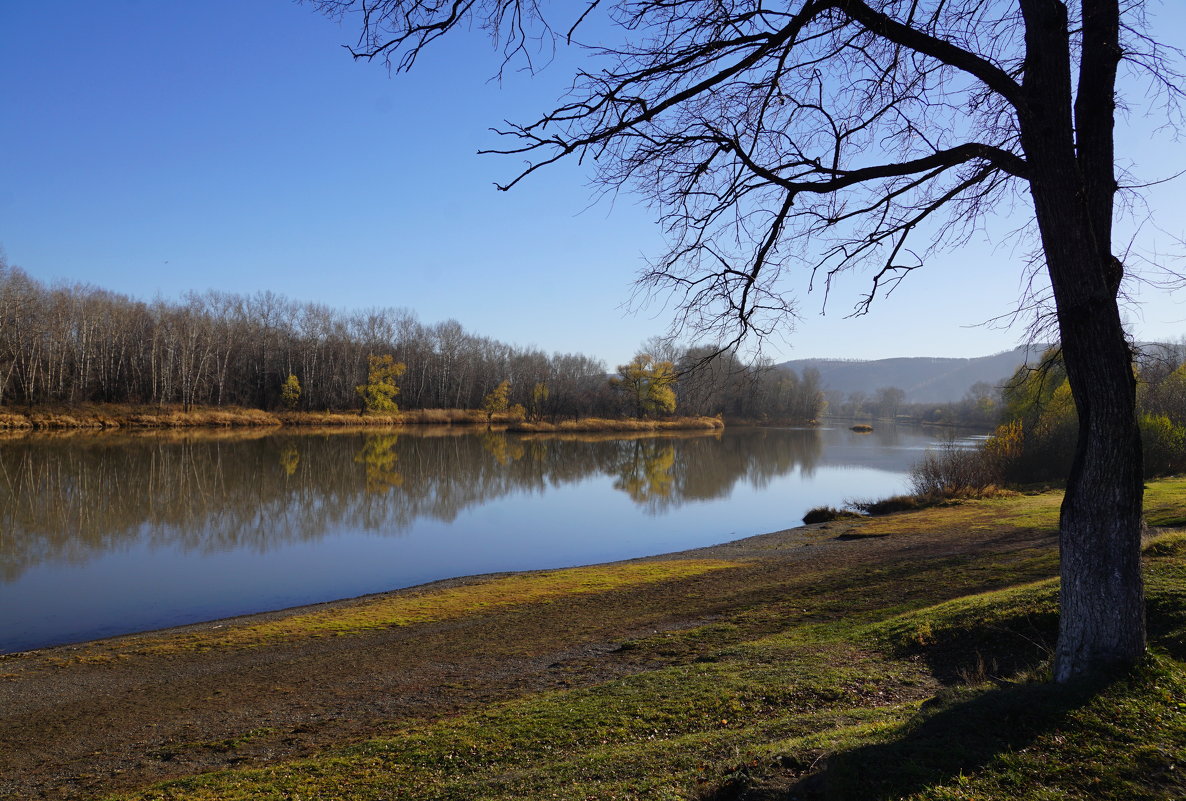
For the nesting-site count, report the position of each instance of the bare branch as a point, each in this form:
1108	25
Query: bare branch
882	24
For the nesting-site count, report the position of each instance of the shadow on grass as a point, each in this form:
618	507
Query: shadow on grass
958	733
1012	646
1166	619
958	738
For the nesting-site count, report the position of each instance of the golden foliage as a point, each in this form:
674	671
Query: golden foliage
648	383
290	392
378	393
497	401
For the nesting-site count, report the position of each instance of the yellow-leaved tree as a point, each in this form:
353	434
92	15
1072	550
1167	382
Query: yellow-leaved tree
290	392
378	393
497	401
539	396
649	385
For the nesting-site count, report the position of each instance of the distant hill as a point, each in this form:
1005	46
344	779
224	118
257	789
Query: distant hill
923	379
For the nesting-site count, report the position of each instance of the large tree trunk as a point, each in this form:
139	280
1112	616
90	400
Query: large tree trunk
1103	610
1070	155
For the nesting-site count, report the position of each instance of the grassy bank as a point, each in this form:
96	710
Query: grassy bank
898	658
600	424
113	416
123	416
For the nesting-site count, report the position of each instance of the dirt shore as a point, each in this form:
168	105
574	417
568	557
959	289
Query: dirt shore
79	721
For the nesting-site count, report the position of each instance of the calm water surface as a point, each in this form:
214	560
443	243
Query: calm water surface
115	533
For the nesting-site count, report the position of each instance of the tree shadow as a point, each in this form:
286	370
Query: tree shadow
1010	647
956	739
956	734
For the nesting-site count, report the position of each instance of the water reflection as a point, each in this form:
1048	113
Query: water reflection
108	534
69	498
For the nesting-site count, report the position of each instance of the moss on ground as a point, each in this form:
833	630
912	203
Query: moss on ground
436	605
1035	512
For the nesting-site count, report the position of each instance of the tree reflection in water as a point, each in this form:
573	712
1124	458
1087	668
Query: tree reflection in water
70	498
645	473
380	459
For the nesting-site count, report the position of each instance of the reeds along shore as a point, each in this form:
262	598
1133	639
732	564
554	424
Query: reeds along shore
120	416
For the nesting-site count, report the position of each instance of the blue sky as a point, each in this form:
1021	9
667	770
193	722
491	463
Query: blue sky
152	147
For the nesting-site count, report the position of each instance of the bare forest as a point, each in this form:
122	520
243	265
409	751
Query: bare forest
82	344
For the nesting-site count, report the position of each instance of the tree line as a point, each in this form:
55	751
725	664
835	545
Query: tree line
83	344
980	407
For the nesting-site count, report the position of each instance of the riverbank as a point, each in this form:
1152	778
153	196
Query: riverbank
122	416
894	657
595	425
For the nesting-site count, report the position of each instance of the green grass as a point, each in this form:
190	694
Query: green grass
1165	502
1123	739
435	605
1034	512
920	679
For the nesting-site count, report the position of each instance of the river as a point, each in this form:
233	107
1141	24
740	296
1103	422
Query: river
112	533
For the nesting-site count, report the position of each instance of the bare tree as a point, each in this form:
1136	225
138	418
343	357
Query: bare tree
829	134
888	401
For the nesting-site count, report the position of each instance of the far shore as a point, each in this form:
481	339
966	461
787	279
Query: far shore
101	417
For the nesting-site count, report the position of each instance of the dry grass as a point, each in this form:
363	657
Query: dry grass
129	416
337	419
10	421
110	416
413	417
448	417
595	424
177	417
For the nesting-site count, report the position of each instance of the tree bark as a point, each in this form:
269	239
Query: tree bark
1072	182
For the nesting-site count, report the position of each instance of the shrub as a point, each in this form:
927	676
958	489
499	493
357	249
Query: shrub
378	393
953	471
825	514
497	401
1162	443
885	506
